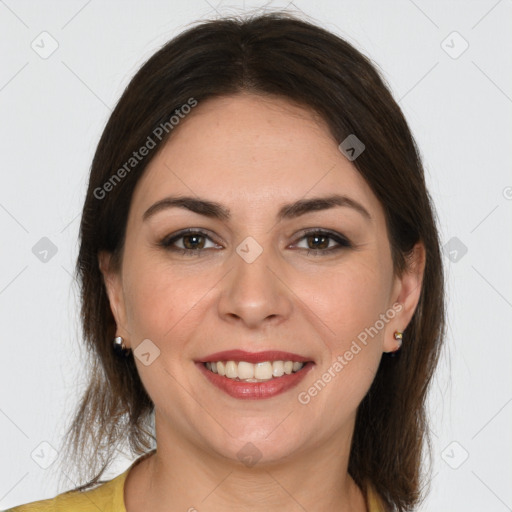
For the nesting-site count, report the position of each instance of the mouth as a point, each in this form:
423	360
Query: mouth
245	375
249	372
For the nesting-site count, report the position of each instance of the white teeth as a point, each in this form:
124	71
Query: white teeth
258	372
245	370
263	371
278	368
231	370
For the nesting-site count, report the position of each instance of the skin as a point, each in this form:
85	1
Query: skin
254	154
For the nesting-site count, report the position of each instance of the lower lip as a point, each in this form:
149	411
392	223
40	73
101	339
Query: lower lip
255	390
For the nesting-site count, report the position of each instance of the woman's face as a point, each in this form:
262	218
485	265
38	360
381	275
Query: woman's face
257	274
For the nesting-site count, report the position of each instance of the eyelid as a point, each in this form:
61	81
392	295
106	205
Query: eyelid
341	240
168	240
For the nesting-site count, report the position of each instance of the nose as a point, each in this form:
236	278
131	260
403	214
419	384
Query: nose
255	294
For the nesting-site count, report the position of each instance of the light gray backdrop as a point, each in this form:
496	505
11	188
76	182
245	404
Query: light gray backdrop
64	65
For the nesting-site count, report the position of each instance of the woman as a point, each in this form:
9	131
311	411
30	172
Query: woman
256	242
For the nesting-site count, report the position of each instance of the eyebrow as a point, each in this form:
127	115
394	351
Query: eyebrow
288	211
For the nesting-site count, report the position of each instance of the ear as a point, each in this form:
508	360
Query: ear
406	292
114	287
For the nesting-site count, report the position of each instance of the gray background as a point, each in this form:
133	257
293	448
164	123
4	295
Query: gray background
458	102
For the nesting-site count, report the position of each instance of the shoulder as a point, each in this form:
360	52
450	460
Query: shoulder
373	500
107	497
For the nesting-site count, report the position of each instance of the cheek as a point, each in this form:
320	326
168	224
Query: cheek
349	300
161	299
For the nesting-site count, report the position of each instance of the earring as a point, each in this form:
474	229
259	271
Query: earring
120	348
398	337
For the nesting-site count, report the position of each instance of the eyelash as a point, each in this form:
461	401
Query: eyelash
343	243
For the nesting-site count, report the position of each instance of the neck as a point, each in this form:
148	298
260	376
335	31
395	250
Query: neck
180	476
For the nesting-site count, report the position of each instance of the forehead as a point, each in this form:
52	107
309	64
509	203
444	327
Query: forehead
251	151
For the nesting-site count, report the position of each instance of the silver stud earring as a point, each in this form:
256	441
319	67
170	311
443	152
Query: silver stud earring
120	348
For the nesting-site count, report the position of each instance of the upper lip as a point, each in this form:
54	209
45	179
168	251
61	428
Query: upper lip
254	357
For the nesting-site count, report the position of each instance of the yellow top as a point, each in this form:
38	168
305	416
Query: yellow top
109	497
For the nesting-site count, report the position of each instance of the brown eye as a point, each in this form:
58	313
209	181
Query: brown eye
318	241
190	241
323	242
193	241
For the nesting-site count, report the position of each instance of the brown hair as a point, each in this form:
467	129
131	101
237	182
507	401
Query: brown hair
280	55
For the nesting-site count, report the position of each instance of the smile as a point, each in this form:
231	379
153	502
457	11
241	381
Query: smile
249	372
255	388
